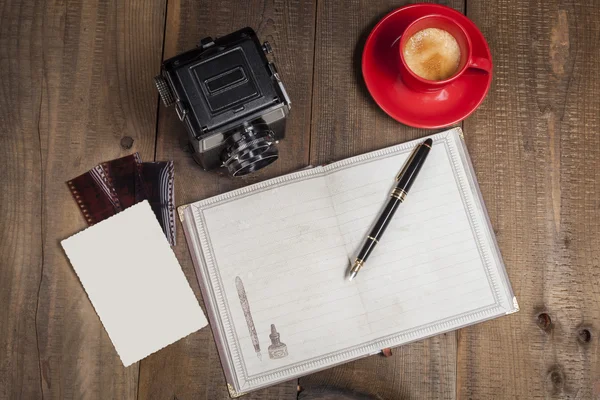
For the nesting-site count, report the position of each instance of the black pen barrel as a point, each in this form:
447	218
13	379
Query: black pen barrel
405	180
411	169
385	216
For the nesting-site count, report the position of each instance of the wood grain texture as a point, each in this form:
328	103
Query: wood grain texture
535	146
97	63
191	367
347	122
20	198
76	79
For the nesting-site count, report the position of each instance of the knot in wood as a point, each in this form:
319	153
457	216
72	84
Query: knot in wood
584	335
544	321
126	142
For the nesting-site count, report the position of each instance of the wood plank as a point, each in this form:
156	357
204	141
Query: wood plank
98	61
535	149
347	122
191	368
20	198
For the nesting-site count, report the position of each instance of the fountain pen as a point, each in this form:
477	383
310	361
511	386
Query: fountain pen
405	180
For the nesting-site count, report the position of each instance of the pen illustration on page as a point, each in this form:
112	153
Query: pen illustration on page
276	349
248	315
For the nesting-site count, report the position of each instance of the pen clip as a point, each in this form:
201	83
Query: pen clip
407	162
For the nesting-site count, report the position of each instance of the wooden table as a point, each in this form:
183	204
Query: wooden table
76	89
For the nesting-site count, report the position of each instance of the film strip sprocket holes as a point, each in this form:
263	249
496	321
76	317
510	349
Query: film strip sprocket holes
124	179
78	198
92	198
102	179
159	180
113	186
171	202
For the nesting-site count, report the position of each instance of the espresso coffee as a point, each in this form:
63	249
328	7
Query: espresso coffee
432	54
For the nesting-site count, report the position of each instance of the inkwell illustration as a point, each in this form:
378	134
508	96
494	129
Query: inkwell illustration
276	349
249	321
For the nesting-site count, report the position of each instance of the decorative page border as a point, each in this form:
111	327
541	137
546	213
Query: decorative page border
215	297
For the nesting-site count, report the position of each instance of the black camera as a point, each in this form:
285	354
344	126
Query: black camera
231	100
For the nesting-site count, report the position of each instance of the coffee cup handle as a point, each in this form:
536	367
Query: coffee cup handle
480	63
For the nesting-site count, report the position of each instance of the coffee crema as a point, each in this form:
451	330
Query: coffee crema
432	54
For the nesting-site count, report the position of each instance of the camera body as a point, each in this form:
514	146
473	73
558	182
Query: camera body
231	100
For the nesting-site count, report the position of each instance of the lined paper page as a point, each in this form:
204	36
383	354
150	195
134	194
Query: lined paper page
286	248
426	266
276	260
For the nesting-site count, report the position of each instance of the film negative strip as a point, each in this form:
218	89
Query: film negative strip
93	197
113	186
159	184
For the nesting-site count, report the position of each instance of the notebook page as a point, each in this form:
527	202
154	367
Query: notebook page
277	253
282	261
427	266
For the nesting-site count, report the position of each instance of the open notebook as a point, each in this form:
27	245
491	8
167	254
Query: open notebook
272	259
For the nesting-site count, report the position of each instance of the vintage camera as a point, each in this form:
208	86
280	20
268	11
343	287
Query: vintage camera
231	100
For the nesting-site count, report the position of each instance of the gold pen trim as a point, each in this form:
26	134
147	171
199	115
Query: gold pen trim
358	264
410	158
399	194
373	239
407	163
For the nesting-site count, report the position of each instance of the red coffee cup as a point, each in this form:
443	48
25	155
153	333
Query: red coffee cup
467	60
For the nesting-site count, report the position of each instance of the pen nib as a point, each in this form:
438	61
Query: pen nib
355	268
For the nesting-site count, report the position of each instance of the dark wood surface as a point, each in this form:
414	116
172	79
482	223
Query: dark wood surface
76	83
191	368
535	144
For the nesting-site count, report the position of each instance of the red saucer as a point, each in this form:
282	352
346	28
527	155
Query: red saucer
380	68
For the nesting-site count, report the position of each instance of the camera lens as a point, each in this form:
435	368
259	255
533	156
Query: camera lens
250	149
